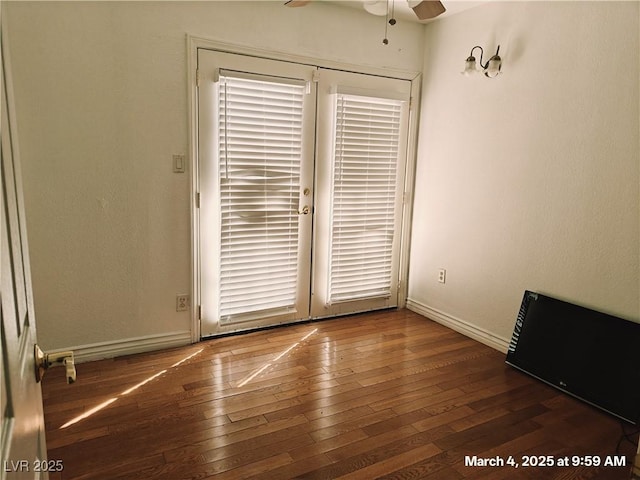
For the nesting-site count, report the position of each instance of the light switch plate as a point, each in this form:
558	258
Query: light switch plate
178	164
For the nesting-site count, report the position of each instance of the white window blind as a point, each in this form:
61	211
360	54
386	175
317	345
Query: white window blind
367	135
260	146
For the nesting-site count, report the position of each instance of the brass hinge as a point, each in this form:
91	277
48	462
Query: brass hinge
198	200
199	312
197	77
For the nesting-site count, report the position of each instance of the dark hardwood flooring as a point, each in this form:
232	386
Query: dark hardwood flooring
382	395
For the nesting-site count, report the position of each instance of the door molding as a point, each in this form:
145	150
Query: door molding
193	43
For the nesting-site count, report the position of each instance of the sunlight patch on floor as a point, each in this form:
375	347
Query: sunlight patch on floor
106	403
264	367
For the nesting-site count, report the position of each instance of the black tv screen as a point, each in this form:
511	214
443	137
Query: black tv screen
588	354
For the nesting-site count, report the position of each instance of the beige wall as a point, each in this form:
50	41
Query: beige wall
102	105
530	180
526	181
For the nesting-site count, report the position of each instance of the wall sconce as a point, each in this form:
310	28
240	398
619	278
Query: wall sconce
491	69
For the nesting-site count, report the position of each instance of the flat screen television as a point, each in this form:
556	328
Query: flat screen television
588	354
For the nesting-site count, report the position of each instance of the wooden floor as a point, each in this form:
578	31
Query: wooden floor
384	395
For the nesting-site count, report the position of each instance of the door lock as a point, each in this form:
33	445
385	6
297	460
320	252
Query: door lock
305	210
45	360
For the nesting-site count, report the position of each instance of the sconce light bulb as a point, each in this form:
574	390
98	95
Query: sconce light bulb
493	67
470	66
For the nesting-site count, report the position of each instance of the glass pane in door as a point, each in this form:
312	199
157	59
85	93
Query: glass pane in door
260	139
367	137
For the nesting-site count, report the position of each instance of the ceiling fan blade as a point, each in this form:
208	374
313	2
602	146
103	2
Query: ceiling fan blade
428	9
296	3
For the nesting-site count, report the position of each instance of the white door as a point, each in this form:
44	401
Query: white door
361	159
22	439
301	174
255	156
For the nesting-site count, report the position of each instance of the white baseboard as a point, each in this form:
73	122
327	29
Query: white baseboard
465	328
129	346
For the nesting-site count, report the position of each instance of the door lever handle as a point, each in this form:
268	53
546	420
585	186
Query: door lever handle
45	360
305	210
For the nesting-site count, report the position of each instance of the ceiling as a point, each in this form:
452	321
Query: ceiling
402	11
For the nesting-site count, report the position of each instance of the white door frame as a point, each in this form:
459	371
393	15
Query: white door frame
193	44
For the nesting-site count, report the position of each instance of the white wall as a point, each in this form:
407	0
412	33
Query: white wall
101	99
530	180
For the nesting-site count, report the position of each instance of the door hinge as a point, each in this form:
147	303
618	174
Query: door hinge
198	200
199	312
197	77
315	78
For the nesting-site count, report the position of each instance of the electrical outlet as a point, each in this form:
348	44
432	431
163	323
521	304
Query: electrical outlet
442	275
182	303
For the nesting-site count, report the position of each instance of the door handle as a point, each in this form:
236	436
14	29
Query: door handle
305	210
45	360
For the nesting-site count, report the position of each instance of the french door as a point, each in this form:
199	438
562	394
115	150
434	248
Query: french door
362	129
301	174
